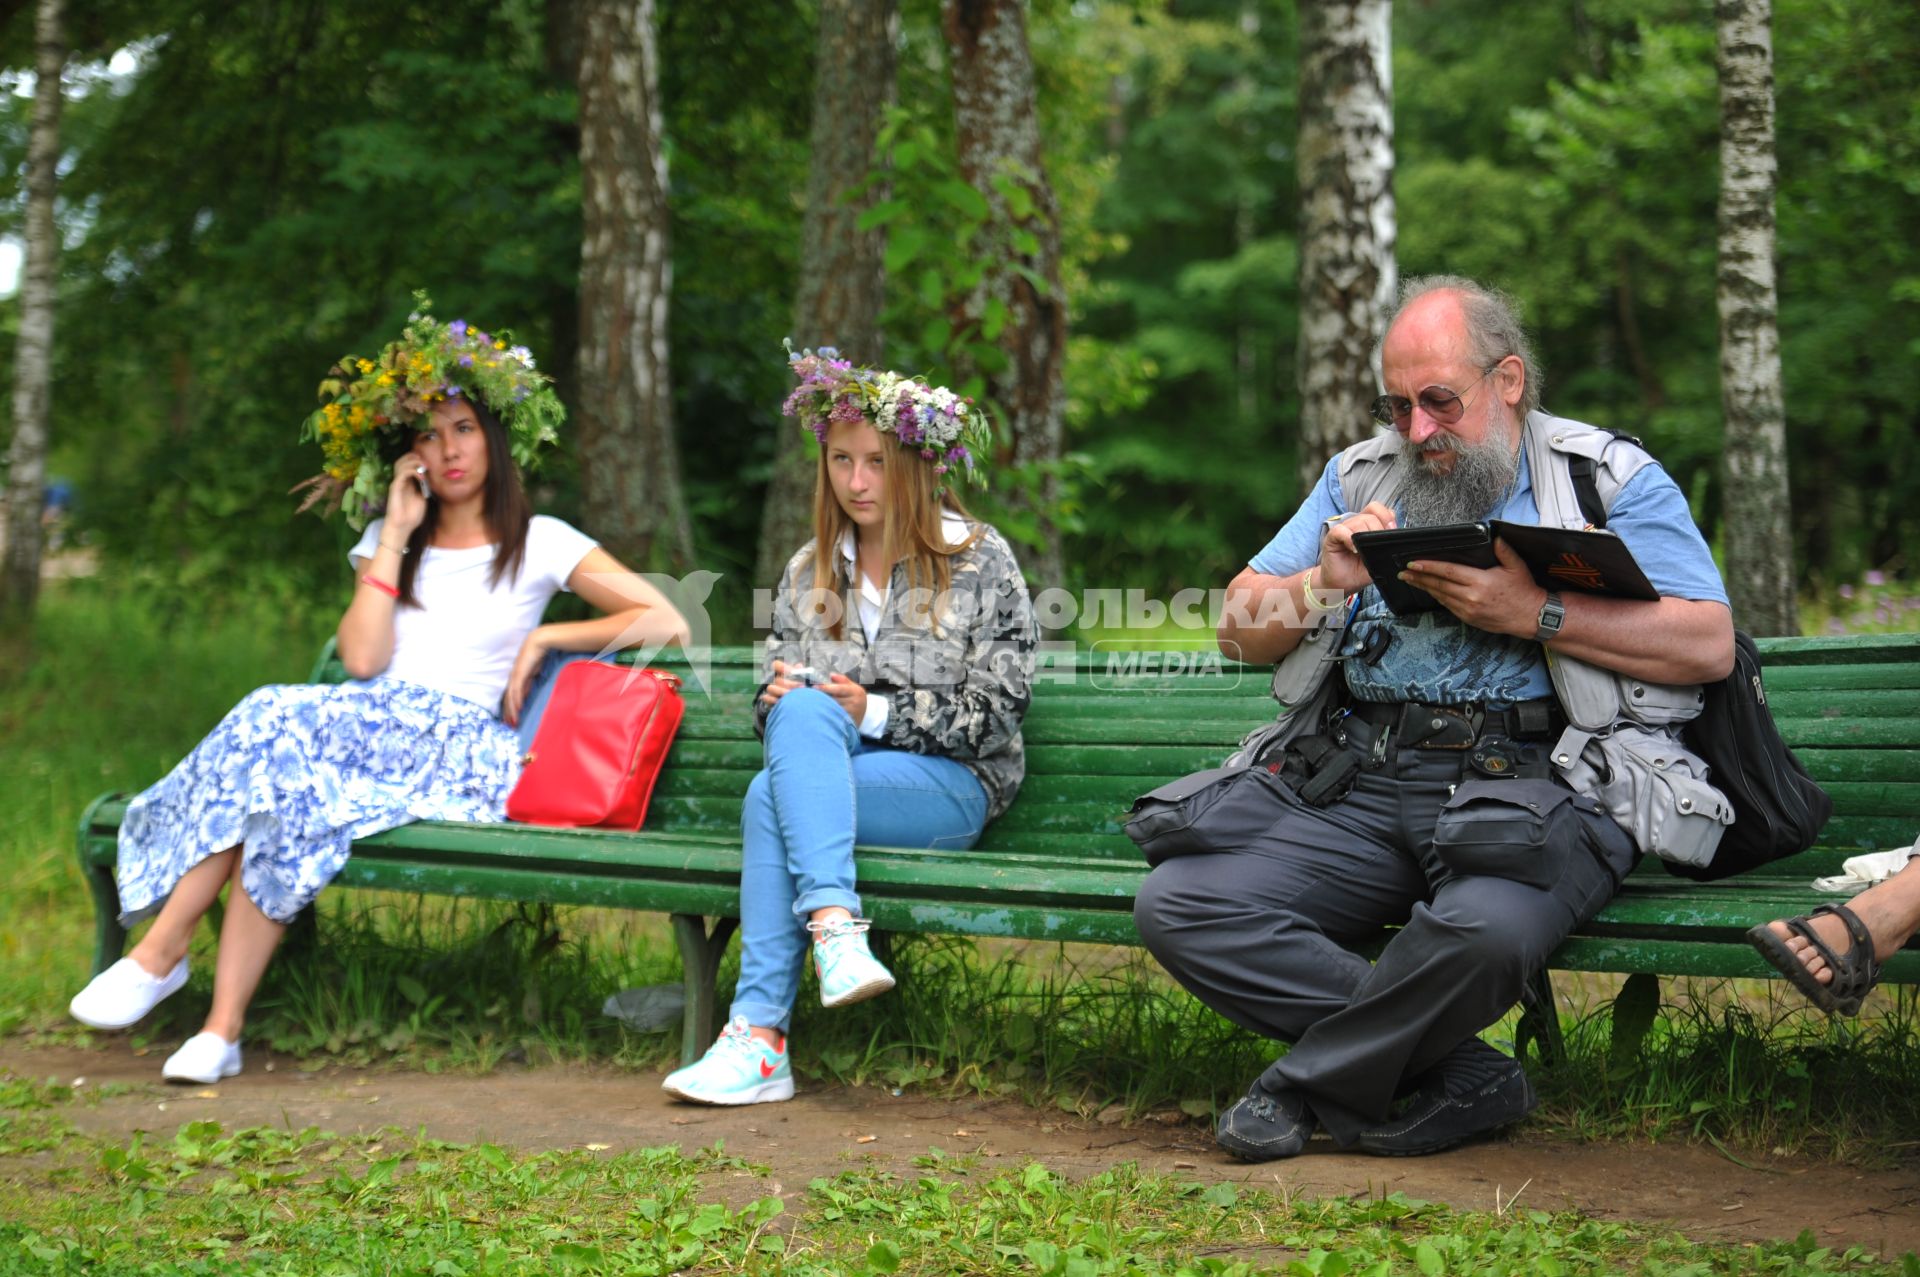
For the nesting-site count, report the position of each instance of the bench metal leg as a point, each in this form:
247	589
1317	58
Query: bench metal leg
700	953
109	937
1540	1022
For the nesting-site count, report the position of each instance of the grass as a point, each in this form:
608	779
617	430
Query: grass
125	685
264	1201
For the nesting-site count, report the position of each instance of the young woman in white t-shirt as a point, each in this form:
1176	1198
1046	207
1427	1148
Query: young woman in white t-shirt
442	640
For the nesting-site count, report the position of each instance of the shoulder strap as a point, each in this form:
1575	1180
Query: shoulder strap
1586	488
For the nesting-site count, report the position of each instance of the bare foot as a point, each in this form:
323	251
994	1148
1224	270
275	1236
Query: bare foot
1831	929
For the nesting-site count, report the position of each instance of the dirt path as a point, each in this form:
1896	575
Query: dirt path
826	1129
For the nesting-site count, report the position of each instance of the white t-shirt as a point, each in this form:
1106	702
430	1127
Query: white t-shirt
463	637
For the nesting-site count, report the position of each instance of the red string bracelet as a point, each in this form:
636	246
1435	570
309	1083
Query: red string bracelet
382	586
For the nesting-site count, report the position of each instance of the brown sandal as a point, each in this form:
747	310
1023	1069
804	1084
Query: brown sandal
1854	972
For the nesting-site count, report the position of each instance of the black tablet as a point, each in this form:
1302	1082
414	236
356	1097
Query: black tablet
1583	560
1387	553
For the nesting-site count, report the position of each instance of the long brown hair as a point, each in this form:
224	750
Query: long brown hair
504	506
910	529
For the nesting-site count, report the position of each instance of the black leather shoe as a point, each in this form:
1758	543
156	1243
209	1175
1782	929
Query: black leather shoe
1431	1119
1265	1126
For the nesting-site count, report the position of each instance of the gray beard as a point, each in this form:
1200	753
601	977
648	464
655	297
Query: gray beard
1481	475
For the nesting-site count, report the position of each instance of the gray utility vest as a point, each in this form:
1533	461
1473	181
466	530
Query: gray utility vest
1622	744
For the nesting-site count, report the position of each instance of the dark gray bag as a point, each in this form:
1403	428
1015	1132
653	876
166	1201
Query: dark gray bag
1222	808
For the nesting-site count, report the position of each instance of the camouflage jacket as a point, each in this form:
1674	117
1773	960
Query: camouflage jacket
956	668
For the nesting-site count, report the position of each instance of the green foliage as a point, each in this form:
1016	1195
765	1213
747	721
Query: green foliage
317	167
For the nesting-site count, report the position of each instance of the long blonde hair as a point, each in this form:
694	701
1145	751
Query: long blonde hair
910	530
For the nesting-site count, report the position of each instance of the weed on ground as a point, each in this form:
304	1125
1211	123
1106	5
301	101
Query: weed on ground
264	1201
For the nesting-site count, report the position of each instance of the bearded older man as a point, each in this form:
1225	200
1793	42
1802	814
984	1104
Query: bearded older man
1448	808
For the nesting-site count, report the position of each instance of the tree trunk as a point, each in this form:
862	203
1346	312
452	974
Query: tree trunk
563	48
842	268
33	357
1347	222
629	463
998	137
1758	539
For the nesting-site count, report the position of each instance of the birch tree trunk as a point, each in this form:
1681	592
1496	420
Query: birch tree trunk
842	268
629	462
33	357
1758	531
1019	303
1347	226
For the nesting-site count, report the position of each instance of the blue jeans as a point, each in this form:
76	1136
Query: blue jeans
824	788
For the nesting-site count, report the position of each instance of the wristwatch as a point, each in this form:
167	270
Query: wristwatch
1553	614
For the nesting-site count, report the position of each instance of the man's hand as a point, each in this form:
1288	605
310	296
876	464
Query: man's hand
1341	567
1499	600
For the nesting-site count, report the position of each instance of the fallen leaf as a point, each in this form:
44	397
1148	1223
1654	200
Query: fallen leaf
208	1094
1183	1166
866	1139
598	1148
677	1121
963	1134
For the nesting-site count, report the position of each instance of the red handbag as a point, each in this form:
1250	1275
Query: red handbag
599	747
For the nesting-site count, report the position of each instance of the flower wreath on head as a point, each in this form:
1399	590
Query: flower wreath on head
949	431
366	404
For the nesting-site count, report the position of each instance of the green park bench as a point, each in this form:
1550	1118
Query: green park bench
1105	726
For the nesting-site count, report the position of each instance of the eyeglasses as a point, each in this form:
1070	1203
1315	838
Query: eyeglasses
1443	405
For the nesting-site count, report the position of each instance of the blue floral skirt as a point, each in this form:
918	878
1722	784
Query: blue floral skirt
295	773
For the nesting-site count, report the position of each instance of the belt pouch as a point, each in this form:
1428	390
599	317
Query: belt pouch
1522	830
1222	809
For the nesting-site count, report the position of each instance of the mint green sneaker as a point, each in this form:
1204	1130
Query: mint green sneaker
847	969
737	1069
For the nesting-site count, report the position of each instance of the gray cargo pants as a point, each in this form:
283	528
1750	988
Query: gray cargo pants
1261	929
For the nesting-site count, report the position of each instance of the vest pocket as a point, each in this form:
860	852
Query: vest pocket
1655	790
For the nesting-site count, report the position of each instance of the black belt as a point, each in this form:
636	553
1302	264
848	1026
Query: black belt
1412	725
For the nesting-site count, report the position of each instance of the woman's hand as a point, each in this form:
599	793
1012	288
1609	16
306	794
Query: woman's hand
525	666
850	695
779	686
406	495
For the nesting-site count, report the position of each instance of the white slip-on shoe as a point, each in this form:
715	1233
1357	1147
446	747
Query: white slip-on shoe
123	994
204	1058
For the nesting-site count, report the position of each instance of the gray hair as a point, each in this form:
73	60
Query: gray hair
1493	326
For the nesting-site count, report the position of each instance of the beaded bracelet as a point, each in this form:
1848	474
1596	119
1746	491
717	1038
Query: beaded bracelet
1313	602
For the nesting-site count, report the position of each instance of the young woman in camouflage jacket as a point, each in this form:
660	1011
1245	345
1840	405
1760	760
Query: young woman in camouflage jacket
899	670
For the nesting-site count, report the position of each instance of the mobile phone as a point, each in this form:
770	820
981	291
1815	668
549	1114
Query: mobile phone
806	675
426	493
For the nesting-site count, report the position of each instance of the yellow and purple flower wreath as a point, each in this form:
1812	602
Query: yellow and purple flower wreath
366	403
949	431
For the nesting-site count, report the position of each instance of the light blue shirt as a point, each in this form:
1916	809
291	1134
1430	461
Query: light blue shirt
1434	657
